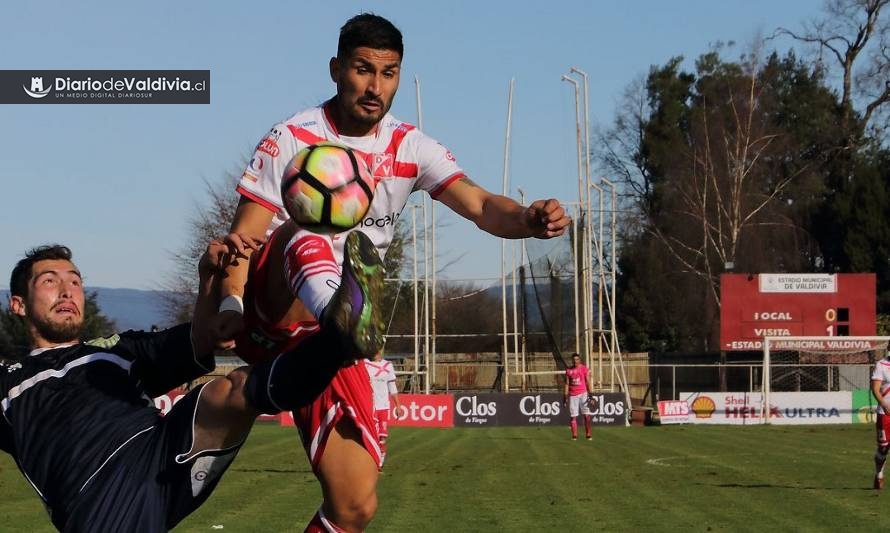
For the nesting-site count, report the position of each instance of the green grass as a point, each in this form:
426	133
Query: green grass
680	478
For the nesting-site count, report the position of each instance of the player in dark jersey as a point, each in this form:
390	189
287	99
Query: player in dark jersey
79	420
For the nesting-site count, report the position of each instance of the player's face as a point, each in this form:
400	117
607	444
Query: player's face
576	360
367	82
55	301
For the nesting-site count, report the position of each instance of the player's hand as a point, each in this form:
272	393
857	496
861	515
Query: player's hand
241	245
224	327
220	254
214	258
546	219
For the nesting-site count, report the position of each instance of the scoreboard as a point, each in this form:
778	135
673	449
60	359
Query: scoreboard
753	306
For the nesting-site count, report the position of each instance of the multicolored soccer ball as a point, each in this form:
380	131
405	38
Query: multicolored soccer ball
327	188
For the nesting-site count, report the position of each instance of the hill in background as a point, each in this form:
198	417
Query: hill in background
129	308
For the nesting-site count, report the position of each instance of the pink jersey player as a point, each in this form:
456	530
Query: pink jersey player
577	378
576	395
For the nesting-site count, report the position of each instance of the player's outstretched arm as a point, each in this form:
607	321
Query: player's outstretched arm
251	220
502	216
208	333
224	416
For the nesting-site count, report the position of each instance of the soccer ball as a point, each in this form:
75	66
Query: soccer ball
327	188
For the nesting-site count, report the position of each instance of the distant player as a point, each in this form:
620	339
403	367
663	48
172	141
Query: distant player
383	383
576	395
880	386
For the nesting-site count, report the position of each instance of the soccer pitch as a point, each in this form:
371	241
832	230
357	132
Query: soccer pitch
675	478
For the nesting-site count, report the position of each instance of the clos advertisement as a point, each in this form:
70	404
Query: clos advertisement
532	409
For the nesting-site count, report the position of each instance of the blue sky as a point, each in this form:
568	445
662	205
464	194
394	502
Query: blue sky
118	183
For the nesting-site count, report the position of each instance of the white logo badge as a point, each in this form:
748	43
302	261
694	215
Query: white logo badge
37	90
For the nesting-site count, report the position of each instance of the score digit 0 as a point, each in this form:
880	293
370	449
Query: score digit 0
830	315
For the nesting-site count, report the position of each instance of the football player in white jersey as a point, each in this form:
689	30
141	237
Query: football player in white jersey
403	160
880	387
386	395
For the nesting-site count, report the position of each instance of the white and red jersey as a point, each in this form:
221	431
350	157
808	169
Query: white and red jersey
576	377
383	382
882	373
401	158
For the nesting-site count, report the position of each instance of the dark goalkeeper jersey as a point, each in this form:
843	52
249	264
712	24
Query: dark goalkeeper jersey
67	410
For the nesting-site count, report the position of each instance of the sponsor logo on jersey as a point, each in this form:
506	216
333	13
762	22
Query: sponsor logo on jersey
307	124
250	177
256	163
269	146
388	220
449	156
381	165
274	134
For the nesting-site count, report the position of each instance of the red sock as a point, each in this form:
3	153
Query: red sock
320	524
574	426
587	426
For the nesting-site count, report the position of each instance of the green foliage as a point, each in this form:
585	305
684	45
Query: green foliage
745	164
95	324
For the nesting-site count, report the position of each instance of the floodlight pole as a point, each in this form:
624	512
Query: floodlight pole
426	385
586	270
598	244
506	373
432	254
430	361
580	200
614	329
522	262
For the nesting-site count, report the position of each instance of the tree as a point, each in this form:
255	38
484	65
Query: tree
723	177
849	223
210	220
14	342
853	32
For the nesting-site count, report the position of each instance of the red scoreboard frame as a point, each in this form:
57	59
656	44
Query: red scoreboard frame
753	306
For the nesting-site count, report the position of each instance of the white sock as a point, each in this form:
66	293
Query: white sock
313	274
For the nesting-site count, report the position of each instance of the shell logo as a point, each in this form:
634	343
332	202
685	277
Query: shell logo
703	407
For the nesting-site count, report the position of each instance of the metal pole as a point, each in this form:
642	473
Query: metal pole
598	244
426	385
504	241
522	262
433	242
577	87
588	281
431	371
613	330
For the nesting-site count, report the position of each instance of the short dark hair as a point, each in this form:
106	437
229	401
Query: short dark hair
368	29
576	354
18	281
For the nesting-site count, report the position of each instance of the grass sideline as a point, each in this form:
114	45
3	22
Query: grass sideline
673	478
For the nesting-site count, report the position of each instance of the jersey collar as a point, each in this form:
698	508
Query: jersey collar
38	351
